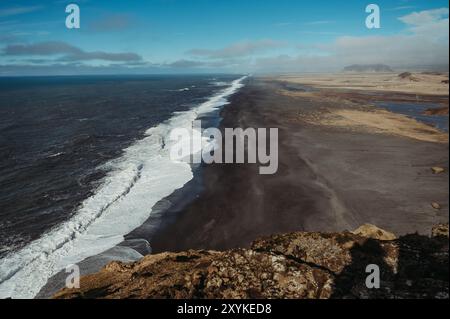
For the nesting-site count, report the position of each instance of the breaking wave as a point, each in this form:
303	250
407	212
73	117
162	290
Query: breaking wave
135	182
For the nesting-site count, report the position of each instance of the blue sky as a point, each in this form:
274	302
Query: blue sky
189	36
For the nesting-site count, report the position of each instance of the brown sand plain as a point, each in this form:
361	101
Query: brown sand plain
425	83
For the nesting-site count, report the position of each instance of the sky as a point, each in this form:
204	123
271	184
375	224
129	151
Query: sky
219	36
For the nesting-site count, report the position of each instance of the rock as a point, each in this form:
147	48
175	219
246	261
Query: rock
437	111
90	265
142	246
408	76
436	206
298	265
440	230
405	75
371	231
437	170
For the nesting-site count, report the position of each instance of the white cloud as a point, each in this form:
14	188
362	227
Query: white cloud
319	22
424	42
68	52
425	17
8	12
240	49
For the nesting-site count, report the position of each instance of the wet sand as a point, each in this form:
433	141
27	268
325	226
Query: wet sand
330	178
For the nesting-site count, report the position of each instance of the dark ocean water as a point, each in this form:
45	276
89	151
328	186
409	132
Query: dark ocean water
56	132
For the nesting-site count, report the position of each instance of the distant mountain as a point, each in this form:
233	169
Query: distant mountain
368	68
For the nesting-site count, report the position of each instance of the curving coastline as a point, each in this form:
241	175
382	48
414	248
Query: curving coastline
122	203
331	178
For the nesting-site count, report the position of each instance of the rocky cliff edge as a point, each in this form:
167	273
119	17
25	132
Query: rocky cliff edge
298	265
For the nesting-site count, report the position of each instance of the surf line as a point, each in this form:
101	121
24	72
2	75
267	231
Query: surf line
135	182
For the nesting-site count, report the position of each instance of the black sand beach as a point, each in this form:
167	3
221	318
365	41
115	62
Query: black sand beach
329	179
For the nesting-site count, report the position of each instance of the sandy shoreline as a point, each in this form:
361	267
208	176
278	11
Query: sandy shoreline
333	176
330	178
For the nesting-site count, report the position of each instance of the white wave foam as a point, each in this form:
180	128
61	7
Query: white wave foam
135	182
56	155
220	83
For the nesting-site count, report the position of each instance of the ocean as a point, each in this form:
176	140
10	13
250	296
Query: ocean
83	161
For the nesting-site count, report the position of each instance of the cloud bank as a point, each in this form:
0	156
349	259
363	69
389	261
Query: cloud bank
18	10
111	23
66	52
423	43
240	49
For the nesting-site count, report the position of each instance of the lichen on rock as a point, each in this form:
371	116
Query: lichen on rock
294	266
